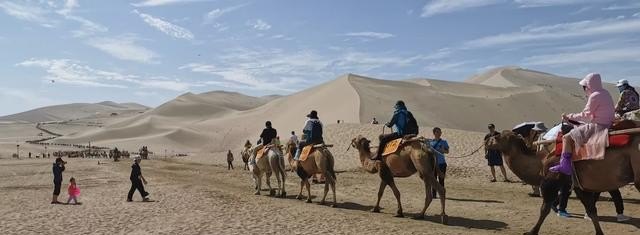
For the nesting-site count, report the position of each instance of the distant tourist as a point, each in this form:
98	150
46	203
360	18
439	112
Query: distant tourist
294	138
442	148
229	160
629	98
374	121
494	157
137	181
73	191
58	168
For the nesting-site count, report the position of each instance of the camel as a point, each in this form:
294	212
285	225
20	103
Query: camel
621	164
290	152
319	161
266	165
413	157
246	154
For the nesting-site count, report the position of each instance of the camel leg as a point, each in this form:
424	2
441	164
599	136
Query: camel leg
306	183
332	183
383	185
301	188
258	181
396	193
326	191
589	199
271	191
283	193
550	189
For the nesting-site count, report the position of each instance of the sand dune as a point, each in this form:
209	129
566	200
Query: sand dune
221	120
74	111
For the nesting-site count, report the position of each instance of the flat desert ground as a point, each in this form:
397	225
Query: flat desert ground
198	195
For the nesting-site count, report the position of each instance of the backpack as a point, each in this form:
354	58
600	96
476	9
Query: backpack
412	125
316	132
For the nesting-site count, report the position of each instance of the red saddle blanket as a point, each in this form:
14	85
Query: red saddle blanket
615	141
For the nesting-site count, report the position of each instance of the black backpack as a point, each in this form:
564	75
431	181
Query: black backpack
412	125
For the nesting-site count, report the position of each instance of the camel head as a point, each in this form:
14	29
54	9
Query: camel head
361	143
506	140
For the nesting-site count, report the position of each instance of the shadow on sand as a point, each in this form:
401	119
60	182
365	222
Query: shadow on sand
467	223
612	219
470	200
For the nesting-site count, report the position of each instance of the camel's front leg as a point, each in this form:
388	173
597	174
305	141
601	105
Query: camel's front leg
396	193
383	186
550	190
589	199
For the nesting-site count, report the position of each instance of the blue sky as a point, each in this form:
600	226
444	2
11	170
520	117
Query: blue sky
149	51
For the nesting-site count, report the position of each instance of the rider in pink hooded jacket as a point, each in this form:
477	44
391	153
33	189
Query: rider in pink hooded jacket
598	115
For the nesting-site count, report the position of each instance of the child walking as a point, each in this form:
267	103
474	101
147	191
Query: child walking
74	192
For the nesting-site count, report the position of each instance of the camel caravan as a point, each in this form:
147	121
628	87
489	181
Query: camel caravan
571	155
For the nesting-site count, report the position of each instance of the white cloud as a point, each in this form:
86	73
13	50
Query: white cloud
445	66
374	35
601	56
259	25
436	7
165	27
629	6
27	12
214	14
124	48
155	3
88	27
546	3
585	28
69	5
72	72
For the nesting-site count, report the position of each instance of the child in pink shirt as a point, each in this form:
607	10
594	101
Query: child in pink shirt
74	191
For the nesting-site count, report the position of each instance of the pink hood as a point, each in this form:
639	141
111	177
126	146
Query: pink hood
600	108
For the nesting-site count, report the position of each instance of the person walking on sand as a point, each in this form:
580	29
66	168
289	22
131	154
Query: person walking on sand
494	157
442	148
137	181
229	160
73	191
58	168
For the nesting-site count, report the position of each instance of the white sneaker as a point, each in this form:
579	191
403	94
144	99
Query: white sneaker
622	218
586	217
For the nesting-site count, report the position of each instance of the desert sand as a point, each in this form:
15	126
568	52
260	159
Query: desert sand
197	195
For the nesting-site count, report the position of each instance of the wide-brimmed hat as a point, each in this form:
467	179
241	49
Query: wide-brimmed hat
539	126
313	114
491	125
622	83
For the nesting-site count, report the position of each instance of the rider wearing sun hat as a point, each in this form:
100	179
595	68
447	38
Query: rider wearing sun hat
629	98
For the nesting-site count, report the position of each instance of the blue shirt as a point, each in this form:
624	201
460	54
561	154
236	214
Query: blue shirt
437	145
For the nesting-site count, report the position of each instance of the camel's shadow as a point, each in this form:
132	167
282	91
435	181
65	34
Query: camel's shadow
465	222
612	219
471	200
354	206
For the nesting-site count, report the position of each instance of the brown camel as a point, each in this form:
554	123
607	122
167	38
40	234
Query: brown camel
413	157
622	166
319	161
246	154
290	151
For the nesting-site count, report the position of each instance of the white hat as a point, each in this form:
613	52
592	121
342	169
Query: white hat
622	82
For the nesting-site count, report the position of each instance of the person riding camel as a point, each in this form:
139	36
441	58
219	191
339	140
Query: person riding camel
598	115
311	133
268	134
402	123
629	98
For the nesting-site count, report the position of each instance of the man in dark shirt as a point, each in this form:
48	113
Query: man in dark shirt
494	157
268	134
137	181
58	168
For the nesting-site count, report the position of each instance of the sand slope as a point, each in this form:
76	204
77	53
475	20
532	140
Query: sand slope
74	111
217	121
